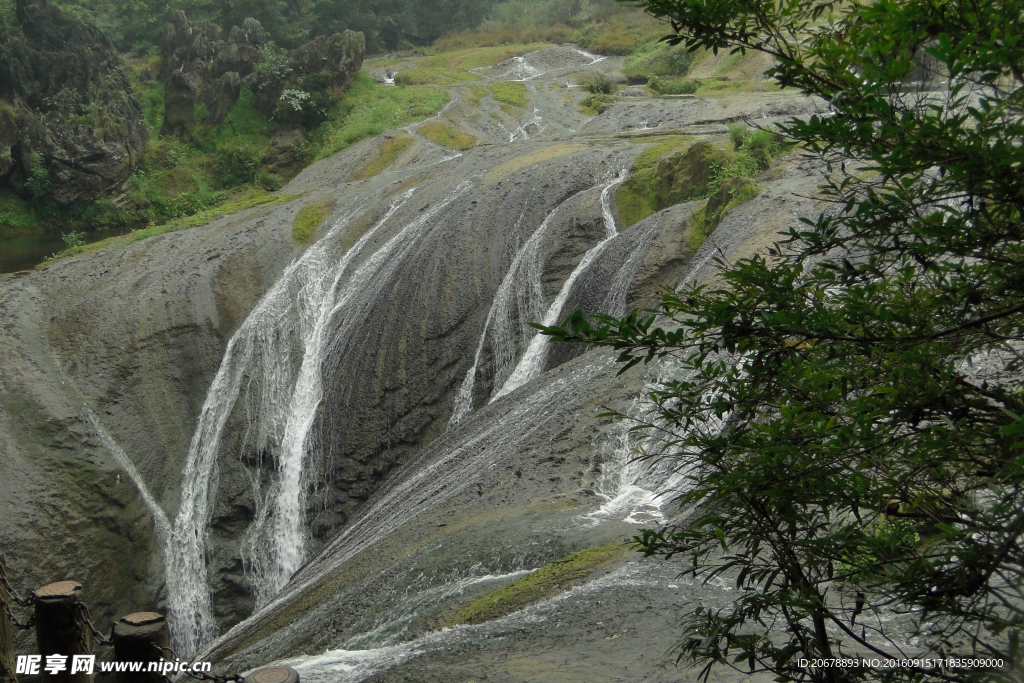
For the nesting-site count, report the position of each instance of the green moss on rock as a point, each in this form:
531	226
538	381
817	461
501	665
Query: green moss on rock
309	219
546	582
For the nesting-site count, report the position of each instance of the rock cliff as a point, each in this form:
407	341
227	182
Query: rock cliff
70	123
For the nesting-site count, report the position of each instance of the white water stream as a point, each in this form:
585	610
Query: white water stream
532	362
292	321
521	289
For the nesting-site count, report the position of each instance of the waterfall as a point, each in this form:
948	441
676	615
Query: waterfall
276	558
532	362
522	287
615	302
292	320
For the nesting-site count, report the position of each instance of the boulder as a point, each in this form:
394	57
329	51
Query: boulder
71	126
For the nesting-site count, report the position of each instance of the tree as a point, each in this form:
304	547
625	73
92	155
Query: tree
848	407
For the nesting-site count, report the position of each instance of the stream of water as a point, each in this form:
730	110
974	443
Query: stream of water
280	397
532	362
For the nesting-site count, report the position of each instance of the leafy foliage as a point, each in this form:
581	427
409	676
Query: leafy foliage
847	408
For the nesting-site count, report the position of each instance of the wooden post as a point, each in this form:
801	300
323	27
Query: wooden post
61	630
273	674
137	638
7	674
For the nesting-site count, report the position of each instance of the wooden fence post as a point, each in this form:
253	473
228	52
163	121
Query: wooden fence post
7	674
138	638
273	674
61	630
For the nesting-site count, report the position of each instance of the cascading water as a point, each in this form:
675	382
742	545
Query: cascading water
160	521
293	318
532	362
522	288
277	537
615	303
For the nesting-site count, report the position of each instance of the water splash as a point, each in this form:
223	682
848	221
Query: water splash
532	362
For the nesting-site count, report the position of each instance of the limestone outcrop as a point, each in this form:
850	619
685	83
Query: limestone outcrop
71	126
199	65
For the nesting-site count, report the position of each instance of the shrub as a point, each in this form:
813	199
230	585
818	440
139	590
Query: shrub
599	85
674	86
738	134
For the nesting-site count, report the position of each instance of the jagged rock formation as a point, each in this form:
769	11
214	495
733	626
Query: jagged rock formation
70	123
199	65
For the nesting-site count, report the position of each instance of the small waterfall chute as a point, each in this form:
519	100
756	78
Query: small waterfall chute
532	362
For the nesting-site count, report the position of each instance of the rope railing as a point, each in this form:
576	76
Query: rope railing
65	631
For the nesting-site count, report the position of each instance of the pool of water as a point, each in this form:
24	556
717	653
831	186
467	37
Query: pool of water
26	252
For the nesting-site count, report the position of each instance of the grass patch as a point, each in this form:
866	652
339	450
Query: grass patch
511	96
549	580
390	150
310	217
369	109
245	200
593	105
433	76
448	136
666	85
635	199
475	94
658	59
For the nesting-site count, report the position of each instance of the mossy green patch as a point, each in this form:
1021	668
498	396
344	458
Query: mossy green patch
475	94
732	193
635	199
512	97
310	217
369	109
547	581
433	76
390	150
593	105
449	136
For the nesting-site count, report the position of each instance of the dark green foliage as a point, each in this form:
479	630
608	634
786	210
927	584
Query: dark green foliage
599	85
673	86
848	407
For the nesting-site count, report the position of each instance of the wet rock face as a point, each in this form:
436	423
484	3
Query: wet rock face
70	123
684	176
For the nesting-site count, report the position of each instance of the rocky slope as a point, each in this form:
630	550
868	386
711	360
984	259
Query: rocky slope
408	514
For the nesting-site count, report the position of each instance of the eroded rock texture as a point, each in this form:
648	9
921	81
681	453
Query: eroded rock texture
70	123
